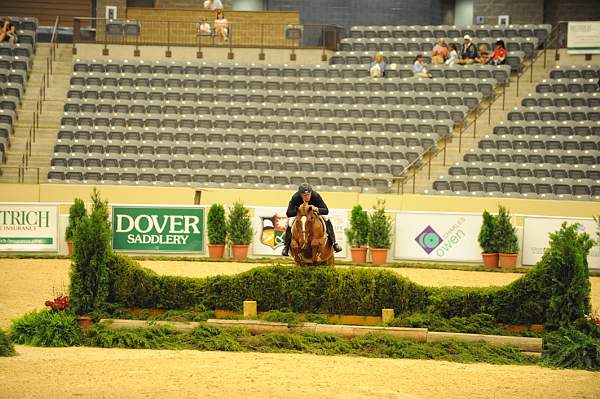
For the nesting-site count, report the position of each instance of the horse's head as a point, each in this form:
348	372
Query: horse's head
306	216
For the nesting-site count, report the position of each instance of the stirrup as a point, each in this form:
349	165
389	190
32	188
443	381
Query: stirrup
285	252
337	247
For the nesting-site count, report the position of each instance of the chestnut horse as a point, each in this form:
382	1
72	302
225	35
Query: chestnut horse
309	238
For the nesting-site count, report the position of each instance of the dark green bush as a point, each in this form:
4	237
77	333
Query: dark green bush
155	337
216	224
570	348
480	323
44	328
89	271
6	346
76	213
487	239
504	234
380	227
358	233
239	225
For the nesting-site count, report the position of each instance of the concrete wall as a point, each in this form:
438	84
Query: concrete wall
348	13
571	10
520	12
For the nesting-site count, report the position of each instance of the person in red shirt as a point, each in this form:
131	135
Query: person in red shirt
499	55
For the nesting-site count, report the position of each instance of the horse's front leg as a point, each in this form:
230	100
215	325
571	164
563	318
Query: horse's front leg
316	250
295	247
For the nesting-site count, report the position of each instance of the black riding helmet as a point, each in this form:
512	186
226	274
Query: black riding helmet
304	189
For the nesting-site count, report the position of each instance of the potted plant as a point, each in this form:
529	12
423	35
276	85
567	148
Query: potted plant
76	213
216	231
487	241
358	234
239	230
506	239
380	232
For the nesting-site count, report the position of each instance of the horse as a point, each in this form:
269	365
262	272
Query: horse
309	238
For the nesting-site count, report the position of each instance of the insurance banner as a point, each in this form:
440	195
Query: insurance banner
269	224
28	227
437	236
536	237
158	229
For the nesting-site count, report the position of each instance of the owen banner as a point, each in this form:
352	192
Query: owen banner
158	229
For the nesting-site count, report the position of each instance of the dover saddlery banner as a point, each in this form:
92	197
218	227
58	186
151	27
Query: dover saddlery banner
269	224
437	236
583	37
158	228
28	227
536	237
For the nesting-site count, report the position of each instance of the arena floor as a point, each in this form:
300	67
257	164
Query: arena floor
91	372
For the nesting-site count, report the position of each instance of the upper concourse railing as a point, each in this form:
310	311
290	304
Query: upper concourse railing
189	33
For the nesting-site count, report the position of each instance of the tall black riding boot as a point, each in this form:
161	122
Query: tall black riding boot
331	235
288	242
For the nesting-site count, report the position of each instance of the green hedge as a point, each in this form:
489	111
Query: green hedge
6	346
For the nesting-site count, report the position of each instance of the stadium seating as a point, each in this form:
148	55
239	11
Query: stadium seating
15	66
548	148
255	126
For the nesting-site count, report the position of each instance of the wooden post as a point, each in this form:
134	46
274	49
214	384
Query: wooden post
250	310
387	315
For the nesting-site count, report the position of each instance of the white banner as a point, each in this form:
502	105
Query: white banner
583	37
536	237
437	236
28	228
269	224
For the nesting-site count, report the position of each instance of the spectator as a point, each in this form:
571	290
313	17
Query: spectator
222	25
499	54
8	33
419	69
483	58
439	52
468	51
213	5
204	28
453	56
377	69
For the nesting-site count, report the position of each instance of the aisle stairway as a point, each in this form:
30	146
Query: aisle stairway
49	119
426	175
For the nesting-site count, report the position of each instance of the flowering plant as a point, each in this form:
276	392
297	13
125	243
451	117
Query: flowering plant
61	302
593	317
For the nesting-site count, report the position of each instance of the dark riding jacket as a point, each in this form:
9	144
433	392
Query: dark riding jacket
315	200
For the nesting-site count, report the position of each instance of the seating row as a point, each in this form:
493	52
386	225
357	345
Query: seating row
554	114
561	100
539	142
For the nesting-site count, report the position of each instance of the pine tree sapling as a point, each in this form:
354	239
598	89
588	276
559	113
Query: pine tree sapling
216	224
487	239
89	269
239	225
380	227
358	233
76	213
505	234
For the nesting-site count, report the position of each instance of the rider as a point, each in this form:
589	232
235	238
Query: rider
306	194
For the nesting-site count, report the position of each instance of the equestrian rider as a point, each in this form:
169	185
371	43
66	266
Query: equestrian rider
306	194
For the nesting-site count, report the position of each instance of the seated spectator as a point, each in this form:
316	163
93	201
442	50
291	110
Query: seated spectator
222	25
499	54
8	33
483	55
468	51
213	5
453	56
377	69
204	28
439	52
419	69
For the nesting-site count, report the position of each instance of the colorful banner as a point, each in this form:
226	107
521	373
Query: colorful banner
437	237
269	224
158	229
583	37
536	237
28	228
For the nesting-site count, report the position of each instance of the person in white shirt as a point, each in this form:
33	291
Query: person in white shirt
453	55
419	69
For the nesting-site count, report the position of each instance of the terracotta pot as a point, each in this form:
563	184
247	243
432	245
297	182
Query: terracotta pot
490	260
508	261
85	322
240	251
216	251
379	255
359	255
70	247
